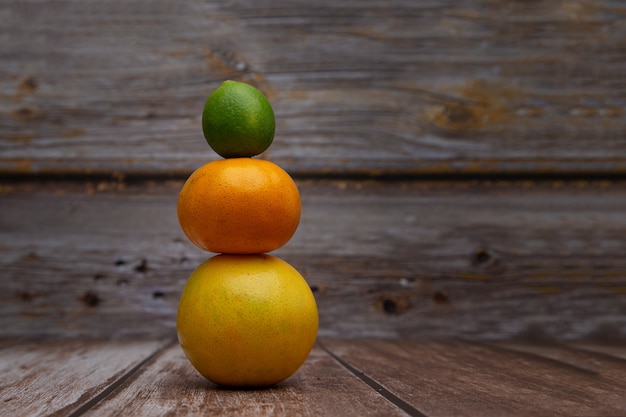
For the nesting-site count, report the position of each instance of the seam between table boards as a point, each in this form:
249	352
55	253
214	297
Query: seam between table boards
110	389
380	389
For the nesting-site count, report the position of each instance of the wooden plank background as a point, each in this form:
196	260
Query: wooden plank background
430	259
461	163
369	87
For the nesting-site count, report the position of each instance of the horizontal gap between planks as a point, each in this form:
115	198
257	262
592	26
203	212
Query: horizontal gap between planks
388	395
118	383
354	175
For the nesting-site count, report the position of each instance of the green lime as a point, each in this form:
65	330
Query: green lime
238	120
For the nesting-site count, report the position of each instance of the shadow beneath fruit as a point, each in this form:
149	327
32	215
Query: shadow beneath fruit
201	383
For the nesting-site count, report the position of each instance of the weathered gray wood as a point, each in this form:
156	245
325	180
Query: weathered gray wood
402	86
473	259
462	379
170	386
42	378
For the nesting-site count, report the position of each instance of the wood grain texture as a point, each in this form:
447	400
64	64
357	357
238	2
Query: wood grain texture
481	260
170	386
616	350
460	379
607	361
359	377
44	378
396	87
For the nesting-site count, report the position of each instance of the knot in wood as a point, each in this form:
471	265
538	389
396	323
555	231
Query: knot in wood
392	304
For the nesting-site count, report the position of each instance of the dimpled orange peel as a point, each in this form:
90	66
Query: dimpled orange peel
245	318
239	205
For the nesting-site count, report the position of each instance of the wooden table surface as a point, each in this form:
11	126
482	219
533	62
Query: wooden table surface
362	377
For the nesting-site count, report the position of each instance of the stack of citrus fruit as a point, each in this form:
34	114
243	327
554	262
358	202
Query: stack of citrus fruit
245	318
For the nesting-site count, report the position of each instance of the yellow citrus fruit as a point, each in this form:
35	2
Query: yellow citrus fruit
246	320
239	205
238	120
